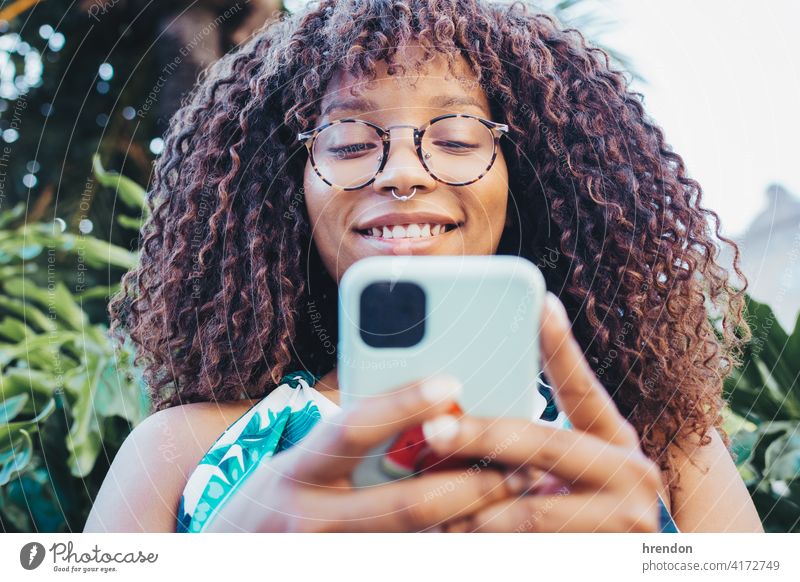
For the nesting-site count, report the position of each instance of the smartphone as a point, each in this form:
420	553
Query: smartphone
406	318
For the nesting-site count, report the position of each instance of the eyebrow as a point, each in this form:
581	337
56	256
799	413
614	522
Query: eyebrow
362	105
444	101
355	104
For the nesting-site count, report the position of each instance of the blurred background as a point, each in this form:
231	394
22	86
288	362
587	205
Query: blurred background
86	92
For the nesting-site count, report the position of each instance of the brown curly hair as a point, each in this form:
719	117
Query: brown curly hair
230	293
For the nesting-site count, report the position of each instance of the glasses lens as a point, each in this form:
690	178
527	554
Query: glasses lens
348	154
458	149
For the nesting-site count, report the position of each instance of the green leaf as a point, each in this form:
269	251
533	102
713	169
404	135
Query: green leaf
57	300
98	292
8	431
782	457
116	396
41	350
28	381
93	252
129	222
793	343
15	458
751	402
100	390
16	270
770	343
792	355
14	330
11	406
128	191
86	433
749	474
766	386
28	313
778	514
33	503
98	253
742	444
12	214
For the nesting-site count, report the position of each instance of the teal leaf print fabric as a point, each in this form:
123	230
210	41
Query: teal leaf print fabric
275	423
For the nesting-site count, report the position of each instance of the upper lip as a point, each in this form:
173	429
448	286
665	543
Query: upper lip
395	218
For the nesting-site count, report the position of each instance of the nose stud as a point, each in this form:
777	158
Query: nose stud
403	198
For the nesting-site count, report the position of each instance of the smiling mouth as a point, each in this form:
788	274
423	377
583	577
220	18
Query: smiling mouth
408	231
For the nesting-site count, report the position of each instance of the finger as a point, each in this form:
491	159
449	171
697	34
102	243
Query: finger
567	512
339	443
537	482
430	500
460	525
578	392
409	505
568	455
547	484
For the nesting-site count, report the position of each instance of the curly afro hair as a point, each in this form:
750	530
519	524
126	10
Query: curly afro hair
229	293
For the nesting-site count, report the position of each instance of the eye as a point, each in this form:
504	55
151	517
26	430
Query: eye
458	145
347	150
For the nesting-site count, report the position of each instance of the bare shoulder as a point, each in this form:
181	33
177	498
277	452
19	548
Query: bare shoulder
144	484
708	494
186	432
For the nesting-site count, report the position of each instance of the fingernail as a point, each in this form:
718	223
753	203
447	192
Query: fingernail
516	483
440	430
439	388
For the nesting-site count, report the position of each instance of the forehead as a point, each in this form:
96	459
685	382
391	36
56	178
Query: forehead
434	87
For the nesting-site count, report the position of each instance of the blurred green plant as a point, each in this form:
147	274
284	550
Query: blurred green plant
128	191
764	395
70	395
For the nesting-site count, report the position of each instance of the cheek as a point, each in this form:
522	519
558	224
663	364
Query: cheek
489	213
311	195
497	217
501	196
317	202
326	230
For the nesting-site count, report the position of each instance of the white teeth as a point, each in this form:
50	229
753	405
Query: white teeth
425	230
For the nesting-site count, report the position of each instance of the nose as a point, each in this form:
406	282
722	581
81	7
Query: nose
403	170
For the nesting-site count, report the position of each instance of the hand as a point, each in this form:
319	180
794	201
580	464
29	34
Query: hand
593	478
308	487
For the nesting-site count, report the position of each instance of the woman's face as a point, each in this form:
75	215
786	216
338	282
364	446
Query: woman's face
470	219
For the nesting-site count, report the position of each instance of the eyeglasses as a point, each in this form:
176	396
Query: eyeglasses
456	149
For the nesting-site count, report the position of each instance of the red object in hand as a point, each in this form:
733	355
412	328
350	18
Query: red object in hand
409	453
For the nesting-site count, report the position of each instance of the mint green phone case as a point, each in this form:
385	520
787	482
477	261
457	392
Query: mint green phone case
481	325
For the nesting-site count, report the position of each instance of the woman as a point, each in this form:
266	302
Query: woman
257	213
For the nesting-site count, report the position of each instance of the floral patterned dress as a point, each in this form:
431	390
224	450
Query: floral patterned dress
273	424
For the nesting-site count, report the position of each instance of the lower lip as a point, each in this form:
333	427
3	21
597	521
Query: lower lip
401	246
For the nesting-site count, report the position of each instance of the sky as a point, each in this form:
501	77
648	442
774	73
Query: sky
724	84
